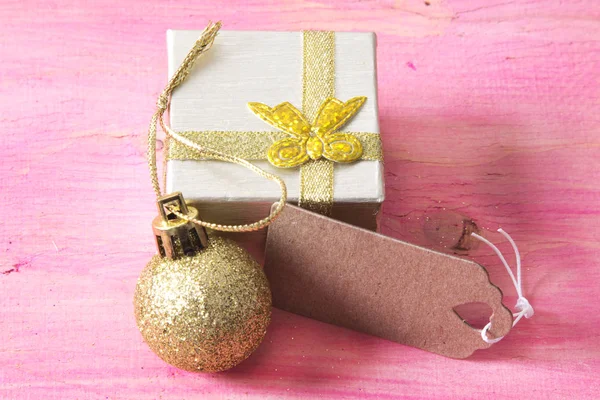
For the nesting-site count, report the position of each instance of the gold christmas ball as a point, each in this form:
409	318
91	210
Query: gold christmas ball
207	312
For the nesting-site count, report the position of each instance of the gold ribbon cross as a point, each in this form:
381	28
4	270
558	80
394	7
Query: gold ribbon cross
318	88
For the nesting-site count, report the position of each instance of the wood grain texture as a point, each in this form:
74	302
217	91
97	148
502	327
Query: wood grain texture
488	109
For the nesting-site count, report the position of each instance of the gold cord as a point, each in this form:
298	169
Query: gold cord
201	46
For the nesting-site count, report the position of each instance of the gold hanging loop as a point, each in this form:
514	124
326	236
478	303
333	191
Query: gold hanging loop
202	45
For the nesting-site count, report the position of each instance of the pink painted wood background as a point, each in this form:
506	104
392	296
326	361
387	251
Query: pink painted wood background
490	109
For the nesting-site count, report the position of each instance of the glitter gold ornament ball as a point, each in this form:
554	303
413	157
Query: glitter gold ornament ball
207	312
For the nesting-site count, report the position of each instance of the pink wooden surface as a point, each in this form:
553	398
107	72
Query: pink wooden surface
489	109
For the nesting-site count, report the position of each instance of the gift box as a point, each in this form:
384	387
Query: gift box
303	69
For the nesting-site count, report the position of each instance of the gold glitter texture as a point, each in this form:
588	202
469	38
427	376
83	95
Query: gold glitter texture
312	141
205	313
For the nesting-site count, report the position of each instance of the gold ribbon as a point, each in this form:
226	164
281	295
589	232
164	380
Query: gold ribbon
318	84
251	145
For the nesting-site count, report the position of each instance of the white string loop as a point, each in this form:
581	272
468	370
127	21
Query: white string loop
523	307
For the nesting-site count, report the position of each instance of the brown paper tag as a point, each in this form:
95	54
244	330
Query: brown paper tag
343	275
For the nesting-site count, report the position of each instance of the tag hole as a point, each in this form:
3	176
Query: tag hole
477	315
450	231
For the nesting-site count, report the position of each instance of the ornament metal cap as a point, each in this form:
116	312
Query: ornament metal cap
177	237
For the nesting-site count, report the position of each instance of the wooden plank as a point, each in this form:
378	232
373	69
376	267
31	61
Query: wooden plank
487	109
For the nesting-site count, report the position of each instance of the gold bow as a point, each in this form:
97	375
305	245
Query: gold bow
304	141
312	141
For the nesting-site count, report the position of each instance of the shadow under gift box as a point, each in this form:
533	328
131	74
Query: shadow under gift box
267	67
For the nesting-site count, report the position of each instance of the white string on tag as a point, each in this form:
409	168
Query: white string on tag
523	307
